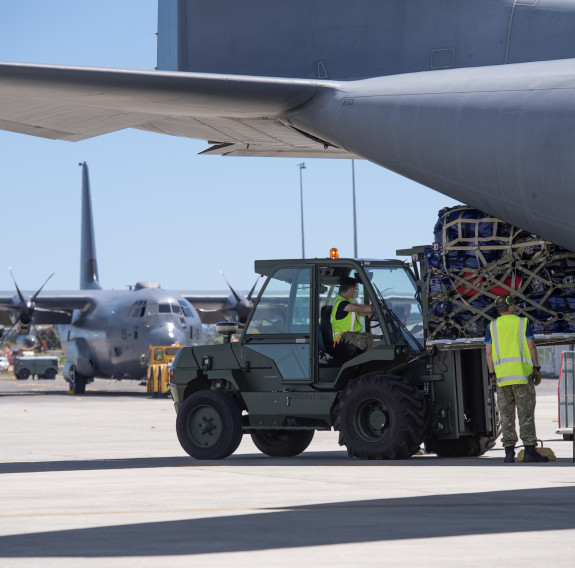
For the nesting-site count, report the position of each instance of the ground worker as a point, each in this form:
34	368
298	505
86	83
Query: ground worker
345	321
514	367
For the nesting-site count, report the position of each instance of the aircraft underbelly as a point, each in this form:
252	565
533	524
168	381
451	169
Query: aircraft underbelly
501	139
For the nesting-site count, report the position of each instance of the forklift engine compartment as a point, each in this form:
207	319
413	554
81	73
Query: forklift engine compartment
284	378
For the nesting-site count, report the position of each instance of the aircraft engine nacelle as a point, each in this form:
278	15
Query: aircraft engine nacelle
23	325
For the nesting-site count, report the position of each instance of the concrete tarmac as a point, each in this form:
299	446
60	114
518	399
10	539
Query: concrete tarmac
101	480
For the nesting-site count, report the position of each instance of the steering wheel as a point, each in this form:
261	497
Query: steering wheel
372	322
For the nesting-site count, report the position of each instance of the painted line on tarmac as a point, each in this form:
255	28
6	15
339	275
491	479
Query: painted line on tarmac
161	512
300	508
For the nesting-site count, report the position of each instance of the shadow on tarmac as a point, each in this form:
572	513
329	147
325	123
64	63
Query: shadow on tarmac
379	520
87	394
309	459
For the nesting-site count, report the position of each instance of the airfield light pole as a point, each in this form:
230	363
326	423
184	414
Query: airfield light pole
301	167
354	211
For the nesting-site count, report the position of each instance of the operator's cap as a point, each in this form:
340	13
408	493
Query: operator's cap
503	302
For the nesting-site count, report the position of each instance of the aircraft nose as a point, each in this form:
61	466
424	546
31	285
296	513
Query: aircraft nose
168	335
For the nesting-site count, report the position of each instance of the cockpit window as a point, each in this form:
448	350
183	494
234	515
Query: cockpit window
180	308
138	309
164	308
187	308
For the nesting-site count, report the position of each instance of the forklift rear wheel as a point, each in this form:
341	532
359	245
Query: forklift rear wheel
282	443
209	425
380	417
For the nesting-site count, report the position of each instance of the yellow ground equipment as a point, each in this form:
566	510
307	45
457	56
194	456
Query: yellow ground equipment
160	358
543	451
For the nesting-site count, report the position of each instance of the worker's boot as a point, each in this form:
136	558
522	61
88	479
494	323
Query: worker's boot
509	454
533	456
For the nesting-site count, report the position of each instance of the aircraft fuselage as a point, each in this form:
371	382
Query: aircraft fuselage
343	40
109	339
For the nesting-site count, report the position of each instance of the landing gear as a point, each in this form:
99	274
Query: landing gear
77	381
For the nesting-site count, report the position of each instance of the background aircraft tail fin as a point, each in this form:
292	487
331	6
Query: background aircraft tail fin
88	263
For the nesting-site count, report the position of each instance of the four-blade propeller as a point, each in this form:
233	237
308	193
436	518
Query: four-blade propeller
24	308
241	306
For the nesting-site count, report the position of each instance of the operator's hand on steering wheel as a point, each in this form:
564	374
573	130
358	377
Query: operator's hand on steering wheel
373	316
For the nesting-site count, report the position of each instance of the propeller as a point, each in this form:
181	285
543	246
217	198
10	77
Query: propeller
241	306
25	307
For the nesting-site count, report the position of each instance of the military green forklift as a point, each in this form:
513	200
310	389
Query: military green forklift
284	378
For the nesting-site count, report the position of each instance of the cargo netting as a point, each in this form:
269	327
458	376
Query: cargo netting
476	258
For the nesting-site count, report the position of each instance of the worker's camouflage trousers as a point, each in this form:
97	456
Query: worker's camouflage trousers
522	398
362	340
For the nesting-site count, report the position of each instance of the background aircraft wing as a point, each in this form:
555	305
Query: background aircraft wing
213	307
50	307
209	305
239	115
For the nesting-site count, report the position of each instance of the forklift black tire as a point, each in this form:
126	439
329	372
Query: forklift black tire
209	425
467	447
380	417
282	443
23	375
463	448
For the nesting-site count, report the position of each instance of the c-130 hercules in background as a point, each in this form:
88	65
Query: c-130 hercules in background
473	98
107	333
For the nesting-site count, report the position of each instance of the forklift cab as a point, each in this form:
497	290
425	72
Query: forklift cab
289	323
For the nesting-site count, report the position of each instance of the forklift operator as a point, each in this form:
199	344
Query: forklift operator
345	314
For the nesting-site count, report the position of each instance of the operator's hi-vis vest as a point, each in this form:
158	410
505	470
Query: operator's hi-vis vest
350	322
511	357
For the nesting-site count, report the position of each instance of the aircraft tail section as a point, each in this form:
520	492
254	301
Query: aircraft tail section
350	40
88	263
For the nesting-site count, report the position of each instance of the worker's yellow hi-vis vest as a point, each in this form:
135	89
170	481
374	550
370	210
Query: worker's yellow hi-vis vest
350	322
511	357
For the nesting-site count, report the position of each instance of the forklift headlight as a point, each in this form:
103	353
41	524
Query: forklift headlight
401	351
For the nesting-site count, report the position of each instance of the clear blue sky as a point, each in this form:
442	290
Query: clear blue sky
161	211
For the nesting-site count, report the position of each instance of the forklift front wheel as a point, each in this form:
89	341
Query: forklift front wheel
209	425
380	417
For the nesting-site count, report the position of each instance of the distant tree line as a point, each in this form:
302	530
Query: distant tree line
50	337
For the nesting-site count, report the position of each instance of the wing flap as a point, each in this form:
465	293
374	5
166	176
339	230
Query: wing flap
263	151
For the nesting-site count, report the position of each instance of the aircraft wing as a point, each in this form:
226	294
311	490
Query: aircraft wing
209	305
51	307
213	307
239	115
